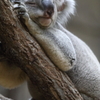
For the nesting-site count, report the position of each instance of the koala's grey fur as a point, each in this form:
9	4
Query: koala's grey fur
44	19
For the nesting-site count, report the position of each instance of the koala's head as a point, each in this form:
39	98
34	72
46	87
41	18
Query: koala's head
42	12
46	12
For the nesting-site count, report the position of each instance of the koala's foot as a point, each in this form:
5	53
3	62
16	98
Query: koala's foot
21	10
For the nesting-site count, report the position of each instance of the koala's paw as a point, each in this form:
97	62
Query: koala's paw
21	10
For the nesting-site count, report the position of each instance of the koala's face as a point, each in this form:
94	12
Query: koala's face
42	12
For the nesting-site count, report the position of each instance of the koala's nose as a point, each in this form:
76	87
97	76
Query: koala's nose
48	7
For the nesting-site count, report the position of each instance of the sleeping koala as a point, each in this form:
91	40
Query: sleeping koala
45	20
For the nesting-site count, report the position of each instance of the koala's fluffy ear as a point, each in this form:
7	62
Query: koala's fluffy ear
65	9
60	5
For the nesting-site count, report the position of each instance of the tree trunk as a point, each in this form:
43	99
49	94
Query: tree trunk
20	47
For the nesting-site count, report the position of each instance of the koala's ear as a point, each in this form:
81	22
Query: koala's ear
60	5
65	9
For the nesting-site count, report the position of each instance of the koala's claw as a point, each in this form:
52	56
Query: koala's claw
21	13
21	10
18	2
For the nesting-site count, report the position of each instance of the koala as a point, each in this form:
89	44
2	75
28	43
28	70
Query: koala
45	20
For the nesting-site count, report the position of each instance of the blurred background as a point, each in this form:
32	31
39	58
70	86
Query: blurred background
86	25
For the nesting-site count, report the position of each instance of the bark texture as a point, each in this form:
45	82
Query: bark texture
20	47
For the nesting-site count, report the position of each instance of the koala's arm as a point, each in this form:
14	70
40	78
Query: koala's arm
56	44
10	75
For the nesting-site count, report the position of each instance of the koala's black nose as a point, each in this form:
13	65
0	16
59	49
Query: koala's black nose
48	7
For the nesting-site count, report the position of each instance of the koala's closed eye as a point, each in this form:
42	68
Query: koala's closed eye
31	3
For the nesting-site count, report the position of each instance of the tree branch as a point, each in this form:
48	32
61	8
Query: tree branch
20	47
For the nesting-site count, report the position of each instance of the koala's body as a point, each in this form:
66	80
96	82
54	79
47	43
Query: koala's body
44	20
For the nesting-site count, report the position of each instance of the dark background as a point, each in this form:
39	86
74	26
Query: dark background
86	25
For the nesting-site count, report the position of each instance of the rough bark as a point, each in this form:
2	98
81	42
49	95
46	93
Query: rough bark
23	50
